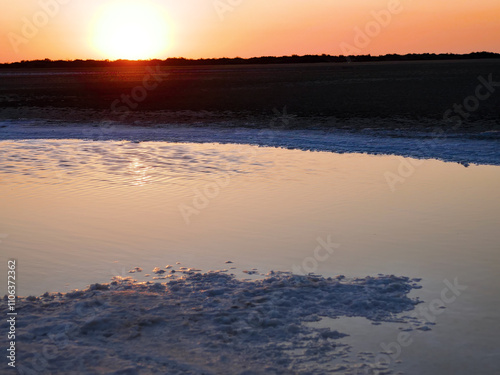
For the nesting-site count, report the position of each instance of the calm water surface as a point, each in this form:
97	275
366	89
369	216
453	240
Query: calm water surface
78	212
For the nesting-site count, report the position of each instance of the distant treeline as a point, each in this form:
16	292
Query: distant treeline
294	59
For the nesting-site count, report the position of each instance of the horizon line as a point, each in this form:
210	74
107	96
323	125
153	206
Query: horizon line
347	58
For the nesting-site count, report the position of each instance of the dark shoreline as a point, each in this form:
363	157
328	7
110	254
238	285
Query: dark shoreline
417	95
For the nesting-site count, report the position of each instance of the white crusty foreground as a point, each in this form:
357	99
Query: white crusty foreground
204	323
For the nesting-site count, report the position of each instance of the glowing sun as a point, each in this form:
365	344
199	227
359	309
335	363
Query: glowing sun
130	29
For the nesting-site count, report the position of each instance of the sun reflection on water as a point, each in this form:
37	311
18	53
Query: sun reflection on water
140	173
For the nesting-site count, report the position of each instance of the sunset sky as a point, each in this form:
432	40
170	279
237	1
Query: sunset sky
143	29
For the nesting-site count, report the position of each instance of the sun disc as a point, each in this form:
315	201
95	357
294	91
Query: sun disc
130	30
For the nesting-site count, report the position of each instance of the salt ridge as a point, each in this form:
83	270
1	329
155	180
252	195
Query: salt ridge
481	149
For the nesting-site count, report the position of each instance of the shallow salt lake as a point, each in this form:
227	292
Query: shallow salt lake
77	212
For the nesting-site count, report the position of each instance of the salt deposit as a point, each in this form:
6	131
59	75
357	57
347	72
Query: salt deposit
206	323
461	148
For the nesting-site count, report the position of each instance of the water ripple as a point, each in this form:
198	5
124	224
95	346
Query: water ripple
111	163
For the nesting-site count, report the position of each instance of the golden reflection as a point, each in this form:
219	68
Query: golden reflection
140	172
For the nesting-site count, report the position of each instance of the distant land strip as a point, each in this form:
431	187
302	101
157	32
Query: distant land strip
293	59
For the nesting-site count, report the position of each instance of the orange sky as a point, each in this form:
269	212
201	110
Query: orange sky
98	29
